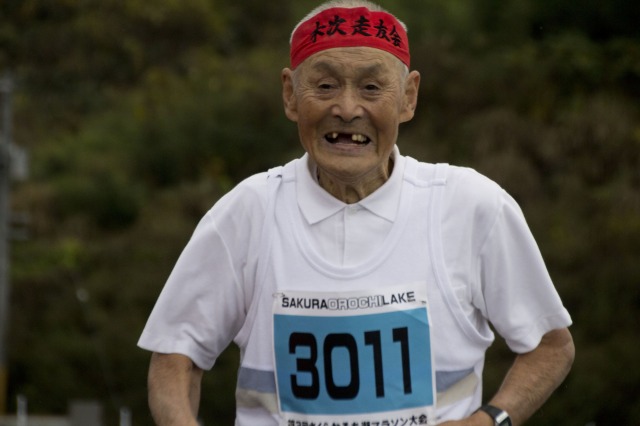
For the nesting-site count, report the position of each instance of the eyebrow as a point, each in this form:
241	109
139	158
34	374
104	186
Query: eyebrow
328	67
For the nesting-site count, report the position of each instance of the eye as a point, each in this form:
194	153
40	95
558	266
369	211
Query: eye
371	87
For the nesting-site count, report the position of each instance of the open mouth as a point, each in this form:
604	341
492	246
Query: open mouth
347	138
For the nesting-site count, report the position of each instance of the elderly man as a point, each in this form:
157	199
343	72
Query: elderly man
358	283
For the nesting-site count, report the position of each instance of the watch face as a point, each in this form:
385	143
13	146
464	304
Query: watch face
503	419
500	417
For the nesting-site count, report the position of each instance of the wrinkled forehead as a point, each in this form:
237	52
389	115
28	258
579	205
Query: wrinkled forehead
349	27
354	61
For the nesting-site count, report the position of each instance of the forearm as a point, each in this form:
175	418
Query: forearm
535	375
174	390
530	380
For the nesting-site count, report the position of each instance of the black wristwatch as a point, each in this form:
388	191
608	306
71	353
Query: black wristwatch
499	416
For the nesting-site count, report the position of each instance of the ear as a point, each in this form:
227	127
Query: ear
288	95
411	86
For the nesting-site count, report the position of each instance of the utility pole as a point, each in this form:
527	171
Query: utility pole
6	89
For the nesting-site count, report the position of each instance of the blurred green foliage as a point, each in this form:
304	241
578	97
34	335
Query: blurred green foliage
139	115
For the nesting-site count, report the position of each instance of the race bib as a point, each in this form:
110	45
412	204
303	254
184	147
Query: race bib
362	359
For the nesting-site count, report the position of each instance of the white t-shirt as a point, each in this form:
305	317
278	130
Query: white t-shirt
493	262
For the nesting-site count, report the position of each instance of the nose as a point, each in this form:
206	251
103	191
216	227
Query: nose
347	105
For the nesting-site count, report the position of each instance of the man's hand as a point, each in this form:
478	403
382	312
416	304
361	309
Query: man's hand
174	390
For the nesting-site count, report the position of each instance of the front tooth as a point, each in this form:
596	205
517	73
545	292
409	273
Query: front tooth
357	138
334	135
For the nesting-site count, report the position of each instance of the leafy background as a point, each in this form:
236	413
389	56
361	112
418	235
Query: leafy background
139	114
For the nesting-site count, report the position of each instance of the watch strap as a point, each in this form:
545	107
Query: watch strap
500	417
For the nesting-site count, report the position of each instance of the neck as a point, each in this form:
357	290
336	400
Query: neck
352	191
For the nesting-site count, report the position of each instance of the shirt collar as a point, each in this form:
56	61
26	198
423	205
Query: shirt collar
317	204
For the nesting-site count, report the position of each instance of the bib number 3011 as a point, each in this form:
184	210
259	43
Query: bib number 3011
351	364
346	343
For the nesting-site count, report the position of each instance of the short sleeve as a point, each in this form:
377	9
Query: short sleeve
518	295
205	299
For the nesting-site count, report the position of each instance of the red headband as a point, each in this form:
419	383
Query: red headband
349	27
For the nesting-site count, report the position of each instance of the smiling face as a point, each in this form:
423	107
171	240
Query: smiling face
348	103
